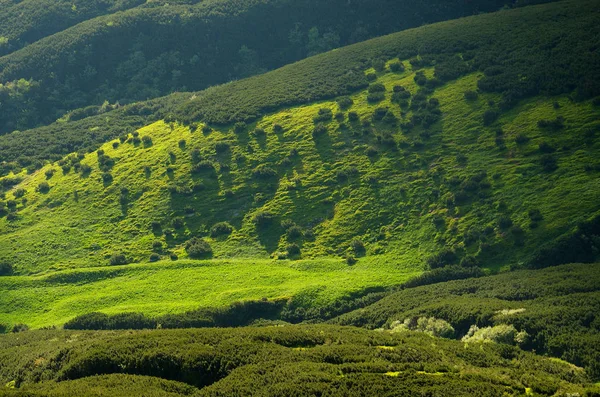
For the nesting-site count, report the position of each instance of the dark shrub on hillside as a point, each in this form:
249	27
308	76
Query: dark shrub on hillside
203	166
504	222
489	116
377	87
221	229
469	261
545	147
19	328
222	147
157	246
358	247
471	95
177	223
49	173
92	321
146	140
239	127
118	259
101	321
397	67
294	232
196	156
375	97
293	249
420	79
277	128
263	218
442	258
339	116
18	193
344	102
379	113
107	178
535	215
206	129
43	187
154	257
353	116
6	269
319	130
443	274
548	163
324	115
371	76
521	139
555	124
198	248
378	64
3	328
182	143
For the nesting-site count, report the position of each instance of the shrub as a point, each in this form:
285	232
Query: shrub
182	143
324	115
49	173
469	261
371	76
154	257
521	139
222	147
377	87
353	116
429	325
157	246
471	95
535	215
198	248
107	178
221	229
378	64
375	97
85	169
489	116
397	67
177	223
344	102
294	232
155	225
146	140
504	222
115	145
118	259
548	163
555	124
43	187
293	249
319	130
339	116
351	260
6	269
379	113
18	193
19	328
443	258
206	129
545	147
239	127
263	218
277	128
420	78
358	247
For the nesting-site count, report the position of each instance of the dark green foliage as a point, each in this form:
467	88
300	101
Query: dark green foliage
293	249
221	229
397	67
353	116
324	115
264	172
239	127
344	102
18	193
554	125
147	141
154	257
489	116
504	222
107	178
6	269
548	162
319	130
263	219
471	95
580	245
198	248
443	258
545	147
378	65
469	261
521	139
375	97
358	247
118	259
17	328
43	187
559	305
222	147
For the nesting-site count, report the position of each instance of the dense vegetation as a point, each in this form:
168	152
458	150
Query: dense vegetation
557	307
276	361
335	75
155	48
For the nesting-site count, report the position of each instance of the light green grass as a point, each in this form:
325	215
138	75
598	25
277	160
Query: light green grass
174	287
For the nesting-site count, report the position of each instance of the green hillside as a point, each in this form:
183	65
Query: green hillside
420	166
65	55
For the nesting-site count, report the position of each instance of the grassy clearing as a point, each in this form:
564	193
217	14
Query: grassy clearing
175	287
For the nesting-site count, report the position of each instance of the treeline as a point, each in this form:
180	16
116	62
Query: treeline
530	41
275	361
558	308
147	52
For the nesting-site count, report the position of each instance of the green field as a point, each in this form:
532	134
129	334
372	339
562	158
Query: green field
175	287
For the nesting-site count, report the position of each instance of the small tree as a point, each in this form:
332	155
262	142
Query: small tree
118	259
221	229
198	248
44	187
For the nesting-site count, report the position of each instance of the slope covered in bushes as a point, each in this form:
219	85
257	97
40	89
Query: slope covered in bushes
557	307
124	51
275	361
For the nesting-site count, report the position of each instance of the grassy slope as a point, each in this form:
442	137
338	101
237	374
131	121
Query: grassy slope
56	232
292	360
